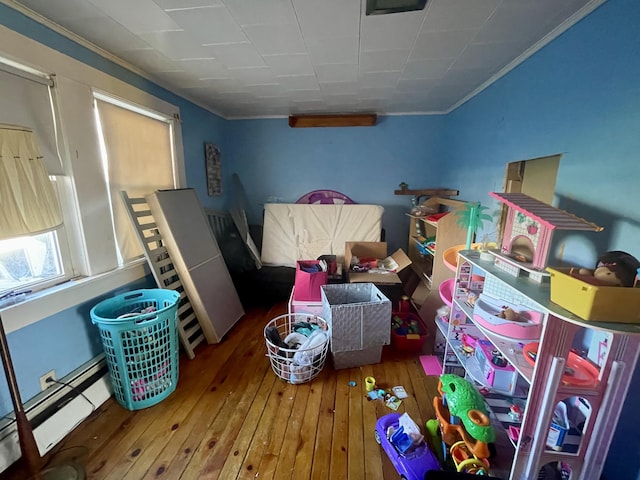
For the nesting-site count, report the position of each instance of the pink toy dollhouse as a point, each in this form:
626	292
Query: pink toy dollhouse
528	230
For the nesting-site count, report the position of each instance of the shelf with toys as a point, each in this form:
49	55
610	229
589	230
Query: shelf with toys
576	369
432	230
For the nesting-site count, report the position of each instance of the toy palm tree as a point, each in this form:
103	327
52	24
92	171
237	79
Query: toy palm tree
471	217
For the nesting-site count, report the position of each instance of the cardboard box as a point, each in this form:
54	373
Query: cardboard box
301	306
308	284
376	250
359	316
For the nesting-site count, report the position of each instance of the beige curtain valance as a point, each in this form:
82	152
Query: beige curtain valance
28	203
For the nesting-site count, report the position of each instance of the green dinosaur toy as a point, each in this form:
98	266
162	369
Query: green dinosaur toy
466	403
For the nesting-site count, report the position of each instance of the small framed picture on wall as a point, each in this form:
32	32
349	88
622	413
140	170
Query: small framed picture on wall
213	168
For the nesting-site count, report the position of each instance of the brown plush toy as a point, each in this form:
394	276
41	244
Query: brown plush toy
614	268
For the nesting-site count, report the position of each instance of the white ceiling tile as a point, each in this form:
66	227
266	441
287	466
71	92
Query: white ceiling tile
336	72
139	16
465	79
382	61
294	64
397	31
176	44
427	68
210	25
243	58
205	68
511	21
487	55
262	12
339	88
218	87
294	83
182	78
458	14
184	4
308	107
108	34
148	59
416	85
307	96
62	11
342	101
319	19
445	44
375	92
256	75
333	50
276	39
265	89
380	79
236	55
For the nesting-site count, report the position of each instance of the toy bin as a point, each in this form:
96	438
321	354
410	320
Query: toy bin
408	333
358	314
297	346
139	333
591	302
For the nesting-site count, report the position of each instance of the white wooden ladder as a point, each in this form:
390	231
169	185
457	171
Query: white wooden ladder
164	272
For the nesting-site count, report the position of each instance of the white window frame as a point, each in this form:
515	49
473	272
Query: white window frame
82	189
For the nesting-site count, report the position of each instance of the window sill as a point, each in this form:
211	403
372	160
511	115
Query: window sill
40	305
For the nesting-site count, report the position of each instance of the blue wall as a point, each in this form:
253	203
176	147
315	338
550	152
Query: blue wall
580	97
279	163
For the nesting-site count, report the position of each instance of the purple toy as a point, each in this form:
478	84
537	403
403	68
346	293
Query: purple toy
416	461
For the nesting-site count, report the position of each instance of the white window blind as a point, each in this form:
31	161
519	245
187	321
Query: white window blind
139	160
28	201
25	100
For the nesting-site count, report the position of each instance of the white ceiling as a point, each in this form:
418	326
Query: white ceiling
266	58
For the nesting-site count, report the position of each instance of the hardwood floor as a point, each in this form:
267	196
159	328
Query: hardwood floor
232	418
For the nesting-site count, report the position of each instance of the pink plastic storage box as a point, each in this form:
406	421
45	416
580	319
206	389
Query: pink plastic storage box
308	284
502	378
304	306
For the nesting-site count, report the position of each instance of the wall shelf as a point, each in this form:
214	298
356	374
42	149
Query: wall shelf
356	120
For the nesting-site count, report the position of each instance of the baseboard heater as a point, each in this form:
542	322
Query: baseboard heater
58	410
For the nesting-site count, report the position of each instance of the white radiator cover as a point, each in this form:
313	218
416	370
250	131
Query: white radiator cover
51	431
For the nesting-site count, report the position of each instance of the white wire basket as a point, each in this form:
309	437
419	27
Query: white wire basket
307	340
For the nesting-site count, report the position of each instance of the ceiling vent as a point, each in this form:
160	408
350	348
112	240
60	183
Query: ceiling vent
382	7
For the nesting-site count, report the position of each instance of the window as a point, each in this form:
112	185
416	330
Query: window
138	157
29	260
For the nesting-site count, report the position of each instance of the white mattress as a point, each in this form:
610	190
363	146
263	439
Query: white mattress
304	232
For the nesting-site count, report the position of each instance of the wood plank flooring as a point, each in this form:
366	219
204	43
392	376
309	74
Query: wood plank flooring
232	418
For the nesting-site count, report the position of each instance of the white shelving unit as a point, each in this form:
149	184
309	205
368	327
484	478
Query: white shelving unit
545	383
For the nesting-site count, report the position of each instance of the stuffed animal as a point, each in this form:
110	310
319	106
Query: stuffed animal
614	268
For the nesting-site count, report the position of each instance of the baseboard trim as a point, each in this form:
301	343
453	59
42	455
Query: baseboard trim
55	414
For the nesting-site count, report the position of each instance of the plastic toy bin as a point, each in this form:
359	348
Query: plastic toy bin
139	333
591	302
402	337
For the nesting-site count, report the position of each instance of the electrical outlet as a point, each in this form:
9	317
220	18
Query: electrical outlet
43	380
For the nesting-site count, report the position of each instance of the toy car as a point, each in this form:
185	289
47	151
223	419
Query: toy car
411	463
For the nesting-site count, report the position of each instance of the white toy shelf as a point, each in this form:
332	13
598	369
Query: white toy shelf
548	380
